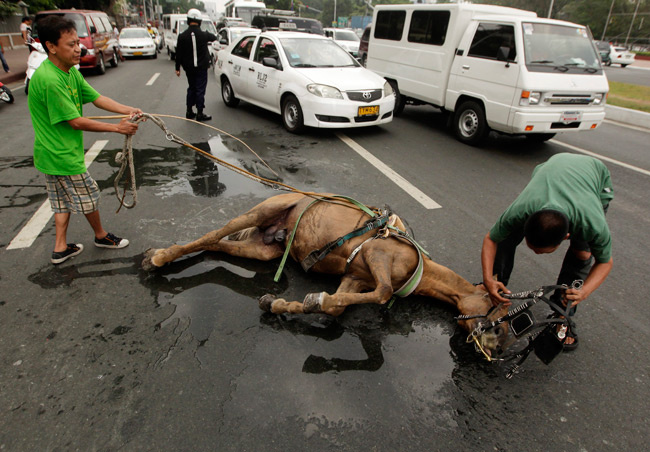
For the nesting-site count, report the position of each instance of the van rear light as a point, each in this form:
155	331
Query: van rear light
529	128
593	126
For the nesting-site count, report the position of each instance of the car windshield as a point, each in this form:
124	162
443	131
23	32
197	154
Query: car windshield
78	19
601	45
346	35
316	53
550	47
206	25
134	33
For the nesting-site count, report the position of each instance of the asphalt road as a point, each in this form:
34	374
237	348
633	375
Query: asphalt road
98	355
633	75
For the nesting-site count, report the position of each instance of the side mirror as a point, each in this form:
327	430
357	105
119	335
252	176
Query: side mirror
93	30
271	62
223	41
502	53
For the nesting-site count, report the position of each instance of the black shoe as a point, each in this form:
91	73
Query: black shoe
111	241
202	117
190	114
71	251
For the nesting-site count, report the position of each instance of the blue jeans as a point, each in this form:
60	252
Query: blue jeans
197	83
5	66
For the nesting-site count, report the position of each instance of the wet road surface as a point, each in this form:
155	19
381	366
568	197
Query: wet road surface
99	355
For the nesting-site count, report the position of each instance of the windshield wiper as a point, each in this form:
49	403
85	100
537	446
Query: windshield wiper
304	65
541	62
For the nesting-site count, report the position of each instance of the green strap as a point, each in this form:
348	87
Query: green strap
293	234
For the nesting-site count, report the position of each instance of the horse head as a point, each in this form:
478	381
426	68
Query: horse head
477	311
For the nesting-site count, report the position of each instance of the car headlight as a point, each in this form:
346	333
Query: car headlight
598	98
327	92
388	90
530	97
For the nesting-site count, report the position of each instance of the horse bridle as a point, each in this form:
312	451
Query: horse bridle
534	329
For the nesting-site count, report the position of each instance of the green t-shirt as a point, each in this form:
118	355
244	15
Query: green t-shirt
578	186
55	97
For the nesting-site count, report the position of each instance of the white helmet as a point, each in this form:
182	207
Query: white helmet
194	14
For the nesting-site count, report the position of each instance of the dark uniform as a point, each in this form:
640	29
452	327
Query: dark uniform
192	53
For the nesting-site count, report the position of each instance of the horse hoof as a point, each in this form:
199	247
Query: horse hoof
147	264
266	301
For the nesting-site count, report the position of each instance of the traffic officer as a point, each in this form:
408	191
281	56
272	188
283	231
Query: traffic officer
192	53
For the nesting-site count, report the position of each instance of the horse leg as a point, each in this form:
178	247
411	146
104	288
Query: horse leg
347	294
259	215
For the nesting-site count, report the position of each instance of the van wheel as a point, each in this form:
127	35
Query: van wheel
539	137
27	86
470	125
228	94
101	65
292	118
400	101
114	61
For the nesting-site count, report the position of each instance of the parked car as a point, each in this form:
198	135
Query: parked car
308	79
95	33
344	37
362	55
622	56
604	49
137	42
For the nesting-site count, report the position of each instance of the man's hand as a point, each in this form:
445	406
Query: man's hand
493	288
178	73
126	127
572	297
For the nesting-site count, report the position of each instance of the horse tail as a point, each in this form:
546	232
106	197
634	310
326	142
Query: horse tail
243	234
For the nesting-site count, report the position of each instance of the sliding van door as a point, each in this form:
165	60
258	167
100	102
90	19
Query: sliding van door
480	73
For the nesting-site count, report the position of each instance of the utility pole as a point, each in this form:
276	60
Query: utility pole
632	23
550	9
602	38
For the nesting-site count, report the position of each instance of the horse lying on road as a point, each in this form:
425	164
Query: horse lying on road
375	262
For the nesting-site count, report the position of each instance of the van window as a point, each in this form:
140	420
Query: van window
489	38
98	24
429	27
166	23
390	25
107	24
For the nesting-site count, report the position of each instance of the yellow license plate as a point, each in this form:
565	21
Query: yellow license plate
369	111
137	53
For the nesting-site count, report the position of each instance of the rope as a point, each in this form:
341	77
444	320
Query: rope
125	158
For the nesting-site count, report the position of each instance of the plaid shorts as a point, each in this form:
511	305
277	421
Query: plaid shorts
78	193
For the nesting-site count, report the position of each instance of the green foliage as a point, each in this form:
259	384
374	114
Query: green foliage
7	9
180	6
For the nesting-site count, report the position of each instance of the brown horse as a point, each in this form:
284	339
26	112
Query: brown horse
378	269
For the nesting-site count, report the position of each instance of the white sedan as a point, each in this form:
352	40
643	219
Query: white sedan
308	79
620	55
137	42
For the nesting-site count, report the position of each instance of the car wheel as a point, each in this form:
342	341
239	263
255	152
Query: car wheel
364	60
155	55
228	94
623	65
470	125
400	101
27	86
539	137
292	118
101	65
114	60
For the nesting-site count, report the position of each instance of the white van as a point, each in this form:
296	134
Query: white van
175	24
491	67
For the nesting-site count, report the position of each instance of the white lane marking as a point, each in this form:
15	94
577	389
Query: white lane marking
41	218
153	79
405	185
602	157
629	126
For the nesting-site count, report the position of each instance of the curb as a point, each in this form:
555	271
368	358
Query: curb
628	116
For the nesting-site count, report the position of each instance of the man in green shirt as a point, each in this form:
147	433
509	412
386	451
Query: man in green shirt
57	93
566	199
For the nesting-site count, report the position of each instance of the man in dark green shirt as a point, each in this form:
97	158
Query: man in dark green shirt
566	199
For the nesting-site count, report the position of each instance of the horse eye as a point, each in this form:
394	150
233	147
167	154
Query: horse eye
497	330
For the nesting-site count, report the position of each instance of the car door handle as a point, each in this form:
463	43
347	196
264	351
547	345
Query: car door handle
229	61
466	67
251	69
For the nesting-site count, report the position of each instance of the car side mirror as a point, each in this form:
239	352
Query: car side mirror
223	41
271	62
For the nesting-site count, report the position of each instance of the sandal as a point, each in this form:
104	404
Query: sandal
570	347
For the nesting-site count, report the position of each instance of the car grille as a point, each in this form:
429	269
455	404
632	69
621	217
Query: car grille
569	99
370	96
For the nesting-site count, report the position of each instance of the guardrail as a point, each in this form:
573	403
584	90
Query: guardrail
11	37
